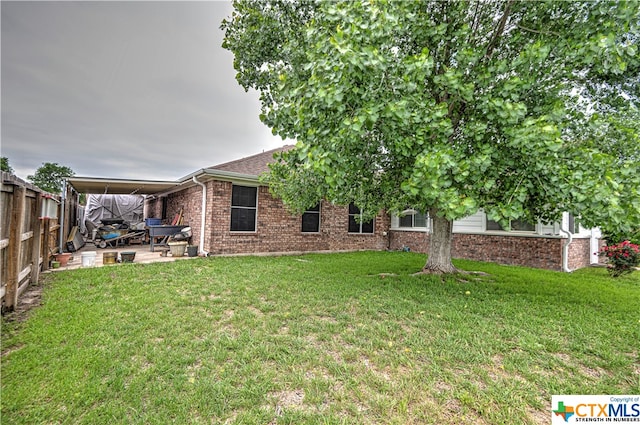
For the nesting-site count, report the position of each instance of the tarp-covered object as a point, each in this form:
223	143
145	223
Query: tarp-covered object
129	208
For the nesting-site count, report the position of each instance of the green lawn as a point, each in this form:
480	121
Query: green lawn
323	339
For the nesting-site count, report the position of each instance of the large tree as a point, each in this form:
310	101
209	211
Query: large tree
449	106
50	176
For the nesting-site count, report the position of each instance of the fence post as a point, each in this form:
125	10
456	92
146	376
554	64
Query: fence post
37	240
46	223
14	248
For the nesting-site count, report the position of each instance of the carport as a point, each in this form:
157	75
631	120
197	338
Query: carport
105	186
74	186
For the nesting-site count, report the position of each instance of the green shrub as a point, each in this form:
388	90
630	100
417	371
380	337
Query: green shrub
615	237
623	257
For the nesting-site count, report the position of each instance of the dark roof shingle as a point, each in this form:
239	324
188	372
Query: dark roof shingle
253	165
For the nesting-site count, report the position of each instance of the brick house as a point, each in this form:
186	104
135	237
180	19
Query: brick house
558	246
230	212
242	217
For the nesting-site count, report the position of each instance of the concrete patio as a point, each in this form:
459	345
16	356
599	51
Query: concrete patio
143	255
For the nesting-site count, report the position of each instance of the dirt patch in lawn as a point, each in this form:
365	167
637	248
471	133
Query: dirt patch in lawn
286	400
28	300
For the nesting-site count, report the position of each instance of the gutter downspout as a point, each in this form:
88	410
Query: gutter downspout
202	213
565	250
594	246
63	204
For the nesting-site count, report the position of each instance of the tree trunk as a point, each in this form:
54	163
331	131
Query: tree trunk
440	240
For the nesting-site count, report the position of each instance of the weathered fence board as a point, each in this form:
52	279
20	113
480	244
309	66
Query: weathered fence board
36	253
14	248
27	241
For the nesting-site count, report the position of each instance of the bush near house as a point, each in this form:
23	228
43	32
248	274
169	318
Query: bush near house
616	237
622	258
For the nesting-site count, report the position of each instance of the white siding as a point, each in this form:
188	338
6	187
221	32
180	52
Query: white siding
476	223
471	224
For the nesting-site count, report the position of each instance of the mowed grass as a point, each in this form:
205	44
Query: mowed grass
318	339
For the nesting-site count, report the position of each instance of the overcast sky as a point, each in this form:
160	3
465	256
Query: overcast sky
139	90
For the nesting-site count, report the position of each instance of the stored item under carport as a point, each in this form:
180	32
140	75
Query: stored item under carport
164	230
111	235
128	256
110	257
177	248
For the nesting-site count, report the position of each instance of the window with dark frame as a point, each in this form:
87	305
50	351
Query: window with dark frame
311	220
355	224
244	202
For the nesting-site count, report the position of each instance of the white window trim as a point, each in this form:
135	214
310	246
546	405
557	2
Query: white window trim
537	229
542	230
395	224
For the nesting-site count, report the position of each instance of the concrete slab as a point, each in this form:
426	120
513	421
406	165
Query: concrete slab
143	255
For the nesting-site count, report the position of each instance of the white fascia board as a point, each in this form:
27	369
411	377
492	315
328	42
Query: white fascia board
212	174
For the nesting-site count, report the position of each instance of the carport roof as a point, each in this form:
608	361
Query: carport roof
96	185
244	169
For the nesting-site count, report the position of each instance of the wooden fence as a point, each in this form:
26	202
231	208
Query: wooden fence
27	240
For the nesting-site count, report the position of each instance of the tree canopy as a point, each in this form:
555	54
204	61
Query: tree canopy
523	109
4	165
50	176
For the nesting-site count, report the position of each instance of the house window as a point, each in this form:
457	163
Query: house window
417	219
311	220
244	201
355	224
516	226
522	226
574	225
493	225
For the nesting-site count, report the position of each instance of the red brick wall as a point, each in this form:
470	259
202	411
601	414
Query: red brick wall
277	230
579	254
539	252
415	241
545	253
188	202
153	208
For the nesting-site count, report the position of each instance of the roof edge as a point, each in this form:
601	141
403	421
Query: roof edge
283	148
108	179
116	186
212	174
